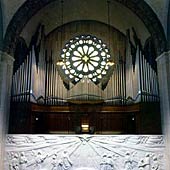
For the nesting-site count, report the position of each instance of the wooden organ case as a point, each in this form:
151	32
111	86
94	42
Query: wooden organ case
48	97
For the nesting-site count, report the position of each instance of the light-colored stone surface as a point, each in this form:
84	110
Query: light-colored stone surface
163	63
48	151
84	152
6	66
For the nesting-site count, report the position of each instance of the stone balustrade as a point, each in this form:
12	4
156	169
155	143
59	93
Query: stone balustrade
85	152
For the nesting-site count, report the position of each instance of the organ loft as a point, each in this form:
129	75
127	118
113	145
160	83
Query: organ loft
85	77
84	85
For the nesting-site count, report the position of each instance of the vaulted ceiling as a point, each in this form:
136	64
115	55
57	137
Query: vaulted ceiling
21	17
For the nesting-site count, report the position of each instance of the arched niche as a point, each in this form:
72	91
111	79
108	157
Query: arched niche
139	8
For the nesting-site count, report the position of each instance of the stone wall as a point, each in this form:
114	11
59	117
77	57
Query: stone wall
84	152
163	63
6	66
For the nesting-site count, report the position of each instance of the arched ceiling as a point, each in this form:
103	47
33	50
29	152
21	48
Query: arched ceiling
120	17
160	7
124	13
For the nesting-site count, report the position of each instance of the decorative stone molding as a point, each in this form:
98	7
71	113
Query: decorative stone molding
84	152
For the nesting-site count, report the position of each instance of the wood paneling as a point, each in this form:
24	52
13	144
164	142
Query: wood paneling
132	119
101	119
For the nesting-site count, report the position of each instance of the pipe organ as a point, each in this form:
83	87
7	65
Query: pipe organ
39	80
142	85
43	83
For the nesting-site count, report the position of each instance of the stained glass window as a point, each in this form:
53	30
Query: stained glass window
85	56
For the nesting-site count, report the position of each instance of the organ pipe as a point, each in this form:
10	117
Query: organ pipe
29	82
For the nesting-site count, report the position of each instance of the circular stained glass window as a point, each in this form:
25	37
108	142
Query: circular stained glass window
85	56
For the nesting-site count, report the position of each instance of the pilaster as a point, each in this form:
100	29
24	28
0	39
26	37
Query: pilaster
163	64
6	68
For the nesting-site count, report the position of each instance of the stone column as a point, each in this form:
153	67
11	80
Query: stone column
6	68
163	63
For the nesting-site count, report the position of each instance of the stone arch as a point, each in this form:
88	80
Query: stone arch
139	7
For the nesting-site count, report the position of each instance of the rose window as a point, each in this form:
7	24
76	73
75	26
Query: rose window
85	56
